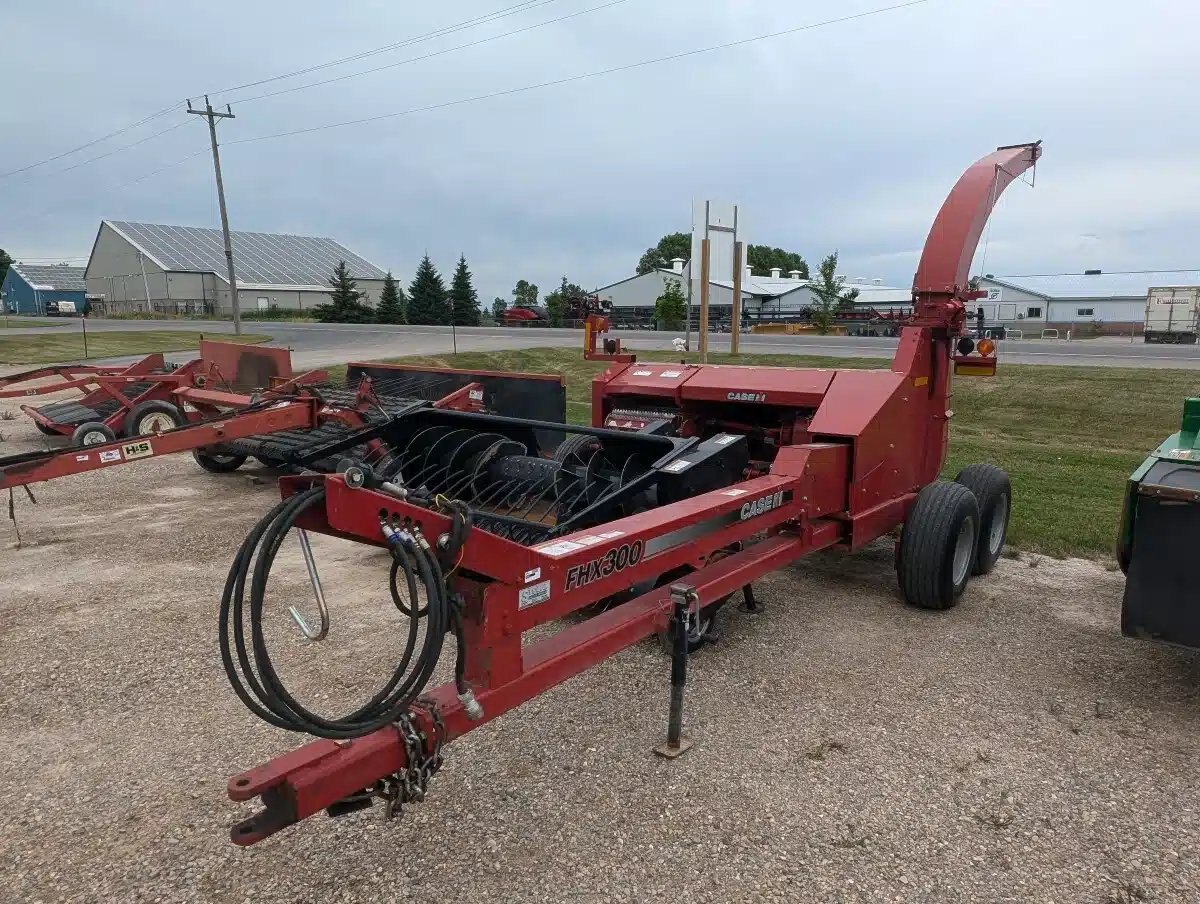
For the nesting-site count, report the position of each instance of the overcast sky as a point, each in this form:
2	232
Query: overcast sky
846	136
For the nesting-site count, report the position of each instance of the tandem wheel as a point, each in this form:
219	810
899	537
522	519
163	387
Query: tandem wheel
213	460
938	545
955	529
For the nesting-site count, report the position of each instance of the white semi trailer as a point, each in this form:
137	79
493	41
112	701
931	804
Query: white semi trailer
1173	314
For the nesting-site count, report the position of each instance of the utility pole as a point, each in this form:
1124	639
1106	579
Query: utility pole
145	282
212	116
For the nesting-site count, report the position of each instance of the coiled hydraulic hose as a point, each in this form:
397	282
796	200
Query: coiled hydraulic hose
254	678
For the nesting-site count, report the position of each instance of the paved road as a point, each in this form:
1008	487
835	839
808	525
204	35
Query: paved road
320	345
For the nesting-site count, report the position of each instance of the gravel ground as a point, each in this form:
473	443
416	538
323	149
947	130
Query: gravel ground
848	748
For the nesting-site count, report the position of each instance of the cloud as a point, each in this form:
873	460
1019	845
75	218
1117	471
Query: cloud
846	137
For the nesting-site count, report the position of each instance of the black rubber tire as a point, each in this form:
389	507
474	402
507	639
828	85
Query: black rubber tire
993	492
705	632
217	462
573	447
697	639
92	433
926	565
141	410
42	428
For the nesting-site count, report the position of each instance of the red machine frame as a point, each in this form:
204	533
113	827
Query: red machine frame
226	416
844	477
220	365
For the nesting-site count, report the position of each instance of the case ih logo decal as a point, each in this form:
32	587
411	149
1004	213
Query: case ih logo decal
747	396
610	563
764	504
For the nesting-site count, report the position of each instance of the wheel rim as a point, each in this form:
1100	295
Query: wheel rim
94	438
156	422
999	521
964	548
699	628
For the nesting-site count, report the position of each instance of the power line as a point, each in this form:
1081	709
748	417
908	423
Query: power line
44	213
507	34
448	29
586	75
478	20
116	150
88	144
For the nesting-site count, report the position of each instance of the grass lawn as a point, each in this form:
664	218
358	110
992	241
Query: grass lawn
103	344
1068	436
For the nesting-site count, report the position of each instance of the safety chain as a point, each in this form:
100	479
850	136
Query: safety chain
410	785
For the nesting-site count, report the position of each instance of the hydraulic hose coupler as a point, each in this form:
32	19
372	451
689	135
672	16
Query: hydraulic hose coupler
420	540
359	475
395	537
471	705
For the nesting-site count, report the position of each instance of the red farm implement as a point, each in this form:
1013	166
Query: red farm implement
287	424
693	482
149	395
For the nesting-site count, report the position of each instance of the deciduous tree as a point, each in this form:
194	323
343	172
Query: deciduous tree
525	294
763	258
670	310
677	244
829	294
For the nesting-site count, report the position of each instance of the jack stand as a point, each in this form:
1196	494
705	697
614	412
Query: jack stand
683	597
749	603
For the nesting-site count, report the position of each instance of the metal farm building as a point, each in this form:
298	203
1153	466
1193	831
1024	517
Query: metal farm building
36	288
181	269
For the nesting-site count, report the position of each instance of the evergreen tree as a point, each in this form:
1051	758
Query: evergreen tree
464	300
427	303
567	302
5	262
345	301
556	304
391	302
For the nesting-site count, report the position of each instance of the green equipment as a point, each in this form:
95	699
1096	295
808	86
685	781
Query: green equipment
1160	540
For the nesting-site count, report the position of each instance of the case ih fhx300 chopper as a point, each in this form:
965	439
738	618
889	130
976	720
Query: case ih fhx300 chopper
693	482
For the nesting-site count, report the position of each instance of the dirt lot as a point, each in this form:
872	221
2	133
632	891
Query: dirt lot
847	748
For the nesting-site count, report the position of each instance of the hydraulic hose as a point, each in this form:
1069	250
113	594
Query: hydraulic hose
253	676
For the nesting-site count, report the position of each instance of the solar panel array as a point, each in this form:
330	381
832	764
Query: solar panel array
259	257
60	277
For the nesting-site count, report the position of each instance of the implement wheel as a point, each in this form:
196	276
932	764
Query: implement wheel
152	416
703	630
938	545
576	449
217	462
993	492
92	433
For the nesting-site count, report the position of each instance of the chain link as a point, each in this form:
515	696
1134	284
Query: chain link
410	785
